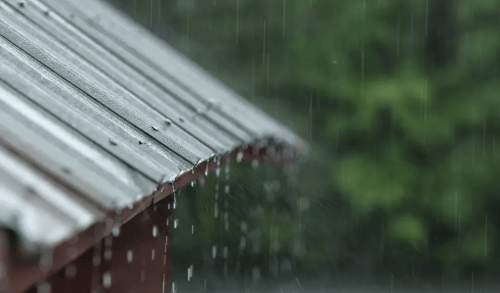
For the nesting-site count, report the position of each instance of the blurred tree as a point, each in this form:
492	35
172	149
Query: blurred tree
400	101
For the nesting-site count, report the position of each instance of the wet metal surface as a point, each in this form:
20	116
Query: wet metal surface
99	119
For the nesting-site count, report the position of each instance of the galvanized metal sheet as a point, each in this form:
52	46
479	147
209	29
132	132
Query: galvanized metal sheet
148	63
177	68
109	64
96	113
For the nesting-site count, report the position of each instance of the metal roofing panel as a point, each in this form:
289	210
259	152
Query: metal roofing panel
147	62
159	99
77	73
96	122
138	40
91	122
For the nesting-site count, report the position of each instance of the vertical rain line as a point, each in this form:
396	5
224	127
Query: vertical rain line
188	32
310	119
264	45
426	18
151	14
284	16
267	75
237	20
485	235
158	23
363	49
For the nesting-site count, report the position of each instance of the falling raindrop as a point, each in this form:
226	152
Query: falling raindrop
43	288
130	256
214	251
226	189
155	230
153	252
225	252
96	260
116	231
108	253
190	272
239	157
176	223
227	169
70	271
255	164
143	275
174	288
106	280
206	169
192	229
192	183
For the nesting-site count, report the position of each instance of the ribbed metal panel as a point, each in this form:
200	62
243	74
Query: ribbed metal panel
96	113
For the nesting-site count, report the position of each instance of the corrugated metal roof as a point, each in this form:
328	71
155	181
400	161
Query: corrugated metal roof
96	113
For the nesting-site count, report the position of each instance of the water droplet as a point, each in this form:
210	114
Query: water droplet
21	4
168	122
239	157
108	254
255	164
192	183
176	223
96	261
66	170
106	280
155	230
130	256
43	288
70	271
190	272
112	142
116	231
214	251
181	120
141	142
153	254
155	128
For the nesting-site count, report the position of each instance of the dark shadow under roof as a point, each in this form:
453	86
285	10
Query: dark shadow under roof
96	113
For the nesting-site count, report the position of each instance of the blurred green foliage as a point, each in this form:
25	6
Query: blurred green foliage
400	100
